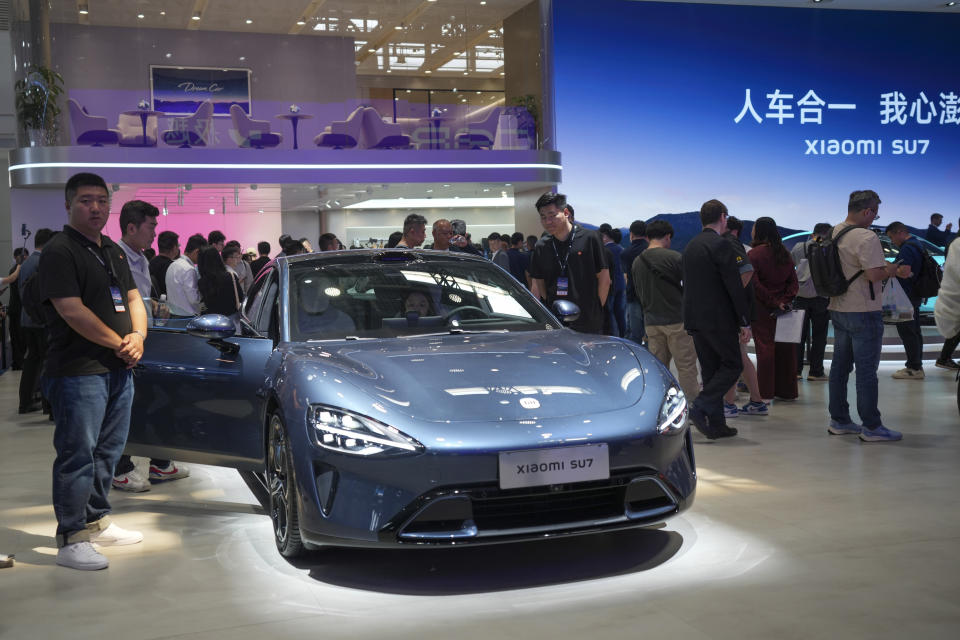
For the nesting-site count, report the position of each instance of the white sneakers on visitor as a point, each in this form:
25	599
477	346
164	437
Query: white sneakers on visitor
82	556
114	536
131	481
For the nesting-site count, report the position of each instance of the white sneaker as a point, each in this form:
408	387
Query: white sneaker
173	471
131	481
114	536
909	374
82	556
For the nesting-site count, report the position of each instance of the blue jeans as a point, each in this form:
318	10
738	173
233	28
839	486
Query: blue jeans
635	327
858	338
92	416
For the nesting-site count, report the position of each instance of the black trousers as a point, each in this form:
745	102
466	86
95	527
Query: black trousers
35	342
912	339
16	339
816	321
949	346
720	366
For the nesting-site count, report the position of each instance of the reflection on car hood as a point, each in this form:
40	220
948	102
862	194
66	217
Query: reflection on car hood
466	378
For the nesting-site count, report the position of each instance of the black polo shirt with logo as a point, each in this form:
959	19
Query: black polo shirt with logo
73	266
584	263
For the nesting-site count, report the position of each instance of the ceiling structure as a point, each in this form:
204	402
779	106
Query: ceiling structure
419	37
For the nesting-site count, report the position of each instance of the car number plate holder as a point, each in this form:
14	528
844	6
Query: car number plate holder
557	465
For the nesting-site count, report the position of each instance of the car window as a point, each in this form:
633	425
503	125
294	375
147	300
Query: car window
254	299
407	297
267	314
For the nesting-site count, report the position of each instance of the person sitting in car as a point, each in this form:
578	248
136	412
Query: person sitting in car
315	314
417	302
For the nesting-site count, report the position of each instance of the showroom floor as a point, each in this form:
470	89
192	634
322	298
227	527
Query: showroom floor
794	534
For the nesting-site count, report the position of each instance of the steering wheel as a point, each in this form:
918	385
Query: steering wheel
467	307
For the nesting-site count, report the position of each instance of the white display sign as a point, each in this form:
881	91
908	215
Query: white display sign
560	465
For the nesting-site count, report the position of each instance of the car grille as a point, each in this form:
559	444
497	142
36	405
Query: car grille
547	508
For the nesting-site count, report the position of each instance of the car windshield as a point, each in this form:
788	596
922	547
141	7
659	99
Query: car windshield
405	294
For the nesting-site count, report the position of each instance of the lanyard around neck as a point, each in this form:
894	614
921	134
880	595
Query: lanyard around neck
556	252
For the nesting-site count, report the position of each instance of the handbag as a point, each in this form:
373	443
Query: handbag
789	326
896	305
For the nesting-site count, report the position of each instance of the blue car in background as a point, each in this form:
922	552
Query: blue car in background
891	252
403	397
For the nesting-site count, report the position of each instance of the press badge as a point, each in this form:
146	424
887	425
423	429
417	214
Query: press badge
562	285
117	300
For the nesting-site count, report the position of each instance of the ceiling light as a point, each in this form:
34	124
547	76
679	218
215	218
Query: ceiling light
301	22
162	12
242	58
83	9
249	21
213	212
483	2
196	15
399	27
372	50
168	55
428	71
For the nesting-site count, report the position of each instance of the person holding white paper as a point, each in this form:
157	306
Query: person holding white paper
775	286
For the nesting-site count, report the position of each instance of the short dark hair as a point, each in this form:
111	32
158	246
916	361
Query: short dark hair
459	227
328	242
167	240
710	212
605	228
860	200
196	241
895	227
263	248
569	207
229	251
284	237
638	228
215	237
233	243
78	180
936	216
42	237
516	238
493	236
293	247
531	240
659	229
550	198
394	239
136	212
411	221
734	224
822	229
617	235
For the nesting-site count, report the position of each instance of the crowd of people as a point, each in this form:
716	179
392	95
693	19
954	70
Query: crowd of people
85	304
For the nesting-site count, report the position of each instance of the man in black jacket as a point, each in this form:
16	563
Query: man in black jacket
715	311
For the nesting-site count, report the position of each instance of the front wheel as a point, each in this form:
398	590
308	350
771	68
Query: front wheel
282	488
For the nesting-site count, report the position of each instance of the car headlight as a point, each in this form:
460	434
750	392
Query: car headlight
673	412
347	432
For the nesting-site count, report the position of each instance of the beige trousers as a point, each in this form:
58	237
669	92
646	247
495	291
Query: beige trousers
668	341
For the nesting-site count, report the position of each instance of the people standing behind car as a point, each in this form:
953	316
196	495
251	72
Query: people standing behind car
97	328
935	235
498	251
638	243
617	300
183	296
461	239
657	274
946	311
138	224
568	264
816	319
442	232
414	231
263	248
858	321
715	313
774	286
241	267
219	289
328	242
34	335
168	250
232	260
519	259
756	406
910	253
293	248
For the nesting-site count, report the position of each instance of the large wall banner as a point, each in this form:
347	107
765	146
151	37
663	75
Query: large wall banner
180	90
776	111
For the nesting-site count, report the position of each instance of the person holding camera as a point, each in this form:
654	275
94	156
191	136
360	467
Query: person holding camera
775	286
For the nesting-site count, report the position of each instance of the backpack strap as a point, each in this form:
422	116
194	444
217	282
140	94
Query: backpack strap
836	241
660	274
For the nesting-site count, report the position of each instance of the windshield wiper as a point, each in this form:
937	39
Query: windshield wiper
454	331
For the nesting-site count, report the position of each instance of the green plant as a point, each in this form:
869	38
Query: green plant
37	95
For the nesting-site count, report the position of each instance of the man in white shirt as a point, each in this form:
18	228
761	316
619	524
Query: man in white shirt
183	294
138	224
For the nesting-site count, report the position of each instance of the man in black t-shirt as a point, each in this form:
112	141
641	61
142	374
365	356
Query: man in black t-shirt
168	250
568	264
97	325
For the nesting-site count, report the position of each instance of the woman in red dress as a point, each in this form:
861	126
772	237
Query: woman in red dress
775	286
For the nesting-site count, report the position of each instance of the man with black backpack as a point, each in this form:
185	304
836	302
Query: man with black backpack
911	253
856	314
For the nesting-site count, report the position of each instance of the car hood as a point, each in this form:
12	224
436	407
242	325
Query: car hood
478	377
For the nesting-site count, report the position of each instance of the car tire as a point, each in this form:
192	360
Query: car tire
282	489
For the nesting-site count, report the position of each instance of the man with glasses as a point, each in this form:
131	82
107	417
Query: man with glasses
97	326
857	321
568	264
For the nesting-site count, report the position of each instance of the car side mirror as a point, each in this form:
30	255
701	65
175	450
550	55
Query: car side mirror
215	328
565	310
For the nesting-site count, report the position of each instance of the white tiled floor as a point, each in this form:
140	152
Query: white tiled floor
794	534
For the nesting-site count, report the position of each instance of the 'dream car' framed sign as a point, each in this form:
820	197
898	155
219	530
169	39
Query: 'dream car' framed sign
179	91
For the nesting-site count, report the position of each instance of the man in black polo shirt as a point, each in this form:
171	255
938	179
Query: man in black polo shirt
97	325
568	264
